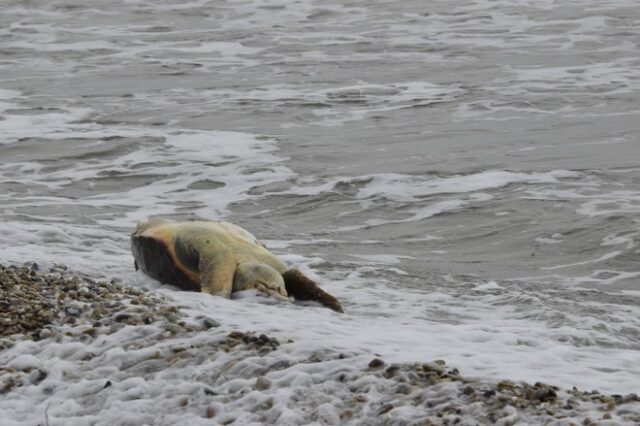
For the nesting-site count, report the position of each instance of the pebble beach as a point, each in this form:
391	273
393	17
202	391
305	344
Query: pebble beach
74	350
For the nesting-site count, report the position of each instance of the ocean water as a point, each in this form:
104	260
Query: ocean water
463	175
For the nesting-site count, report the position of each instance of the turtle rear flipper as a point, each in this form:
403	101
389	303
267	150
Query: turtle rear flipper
302	287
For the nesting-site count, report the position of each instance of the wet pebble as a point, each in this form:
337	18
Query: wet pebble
403	388
73	311
385	409
210	412
391	371
208	323
376	363
262	383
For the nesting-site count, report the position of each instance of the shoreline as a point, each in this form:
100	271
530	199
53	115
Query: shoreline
83	351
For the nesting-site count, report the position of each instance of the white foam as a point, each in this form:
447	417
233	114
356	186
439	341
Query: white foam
420	189
387	259
403	187
552	239
488	286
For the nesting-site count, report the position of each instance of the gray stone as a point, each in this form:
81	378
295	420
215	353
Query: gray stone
262	383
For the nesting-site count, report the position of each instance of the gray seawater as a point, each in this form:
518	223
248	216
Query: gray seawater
484	150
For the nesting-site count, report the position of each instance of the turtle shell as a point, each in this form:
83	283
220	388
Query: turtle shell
156	258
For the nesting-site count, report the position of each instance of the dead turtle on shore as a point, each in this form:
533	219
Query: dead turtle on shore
218	258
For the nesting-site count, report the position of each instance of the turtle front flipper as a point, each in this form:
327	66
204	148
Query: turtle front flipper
261	277
216	273
302	287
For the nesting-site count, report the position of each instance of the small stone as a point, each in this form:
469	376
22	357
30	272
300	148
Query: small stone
249	339
606	416
545	394
210	413
90	332
262	383
433	366
115	327
280	365
236	335
208	323
73	311
376	363
385	409
266	405
403	388
173	328
37	376
505	384
265	349
347	414
106	385
391	371
183	402
359	398
45	333
468	390
122	317
489	393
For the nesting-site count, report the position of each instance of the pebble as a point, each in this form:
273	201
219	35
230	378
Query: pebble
376	363
173	328
122	317
262	383
208	323
468	390
73	311
210	413
385	409
346	414
236	335
403	388
436	366
37	376
45	333
391	371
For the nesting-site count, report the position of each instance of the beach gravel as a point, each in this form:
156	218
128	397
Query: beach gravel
74	350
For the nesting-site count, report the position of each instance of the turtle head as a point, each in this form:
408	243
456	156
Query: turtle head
261	277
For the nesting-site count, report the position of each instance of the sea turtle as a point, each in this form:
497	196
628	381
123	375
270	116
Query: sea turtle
218	258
